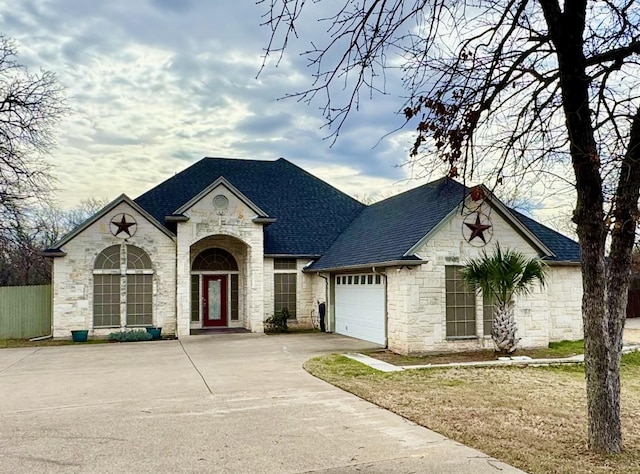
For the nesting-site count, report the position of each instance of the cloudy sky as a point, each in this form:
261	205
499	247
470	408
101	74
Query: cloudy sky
155	85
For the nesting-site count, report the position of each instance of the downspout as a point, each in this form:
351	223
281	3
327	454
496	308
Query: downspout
177	285
386	315
326	300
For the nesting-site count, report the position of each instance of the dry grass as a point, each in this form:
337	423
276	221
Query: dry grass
13	343
532	418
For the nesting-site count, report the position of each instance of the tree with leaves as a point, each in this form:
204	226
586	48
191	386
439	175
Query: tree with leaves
501	277
508	91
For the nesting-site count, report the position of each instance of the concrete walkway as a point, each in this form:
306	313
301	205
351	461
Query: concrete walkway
631	341
224	403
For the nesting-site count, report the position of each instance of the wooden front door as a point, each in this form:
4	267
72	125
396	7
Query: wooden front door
214	297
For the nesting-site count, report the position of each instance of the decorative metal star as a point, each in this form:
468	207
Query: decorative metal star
122	226
477	229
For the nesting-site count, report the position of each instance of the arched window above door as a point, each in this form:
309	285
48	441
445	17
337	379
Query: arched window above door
215	259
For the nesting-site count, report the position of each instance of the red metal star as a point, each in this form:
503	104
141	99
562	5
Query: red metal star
123	226
477	229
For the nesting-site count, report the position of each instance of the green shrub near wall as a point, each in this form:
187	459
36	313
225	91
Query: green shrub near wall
25	311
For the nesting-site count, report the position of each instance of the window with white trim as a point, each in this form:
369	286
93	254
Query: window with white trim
460	305
285	285
122	287
488	308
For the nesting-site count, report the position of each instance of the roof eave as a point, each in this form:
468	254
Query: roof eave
390	263
235	191
432	232
52	253
513	220
288	255
102	212
176	218
562	263
263	220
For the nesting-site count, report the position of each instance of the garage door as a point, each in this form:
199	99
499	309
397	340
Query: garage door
360	308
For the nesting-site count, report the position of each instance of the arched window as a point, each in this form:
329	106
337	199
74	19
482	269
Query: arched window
139	287
106	288
137	259
108	259
122	277
215	260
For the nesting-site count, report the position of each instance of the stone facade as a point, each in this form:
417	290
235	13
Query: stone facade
310	289
415	295
416	320
233	230
72	275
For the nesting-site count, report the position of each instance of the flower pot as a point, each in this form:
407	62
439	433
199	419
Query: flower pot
79	335
155	332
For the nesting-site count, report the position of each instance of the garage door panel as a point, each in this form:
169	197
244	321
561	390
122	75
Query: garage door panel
360	310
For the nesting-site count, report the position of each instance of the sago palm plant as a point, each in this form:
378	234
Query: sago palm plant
502	276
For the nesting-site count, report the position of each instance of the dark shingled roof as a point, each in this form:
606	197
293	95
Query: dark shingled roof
314	218
310	213
385	231
566	250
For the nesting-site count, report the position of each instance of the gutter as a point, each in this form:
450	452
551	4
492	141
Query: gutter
564	263
391	263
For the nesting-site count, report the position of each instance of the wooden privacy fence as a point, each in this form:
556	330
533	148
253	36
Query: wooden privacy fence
25	311
633	303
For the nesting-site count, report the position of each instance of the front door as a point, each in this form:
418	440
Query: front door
214	300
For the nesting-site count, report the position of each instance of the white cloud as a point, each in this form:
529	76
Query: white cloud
156	85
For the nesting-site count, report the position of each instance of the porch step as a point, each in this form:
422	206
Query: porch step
200	332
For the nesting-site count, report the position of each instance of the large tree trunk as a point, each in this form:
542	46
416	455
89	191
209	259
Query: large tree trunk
604	341
603	304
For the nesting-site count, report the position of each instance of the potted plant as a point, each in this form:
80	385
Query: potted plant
154	331
79	335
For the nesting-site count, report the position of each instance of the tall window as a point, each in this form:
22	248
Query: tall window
122	278
488	306
460	305
284	280
139	287
106	288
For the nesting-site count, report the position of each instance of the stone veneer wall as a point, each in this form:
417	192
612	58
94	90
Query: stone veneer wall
72	275
416	319
309	290
234	223
565	304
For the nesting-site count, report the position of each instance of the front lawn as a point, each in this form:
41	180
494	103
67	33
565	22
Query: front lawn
531	417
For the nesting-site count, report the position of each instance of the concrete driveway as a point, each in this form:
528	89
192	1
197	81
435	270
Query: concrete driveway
631	331
223	403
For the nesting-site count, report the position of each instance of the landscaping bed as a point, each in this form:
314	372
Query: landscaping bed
556	350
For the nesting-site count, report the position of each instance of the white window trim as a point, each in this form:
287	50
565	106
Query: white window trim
123	271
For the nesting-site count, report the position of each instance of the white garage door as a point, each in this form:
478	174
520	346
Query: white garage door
360	307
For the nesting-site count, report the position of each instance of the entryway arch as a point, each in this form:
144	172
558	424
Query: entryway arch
217	282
